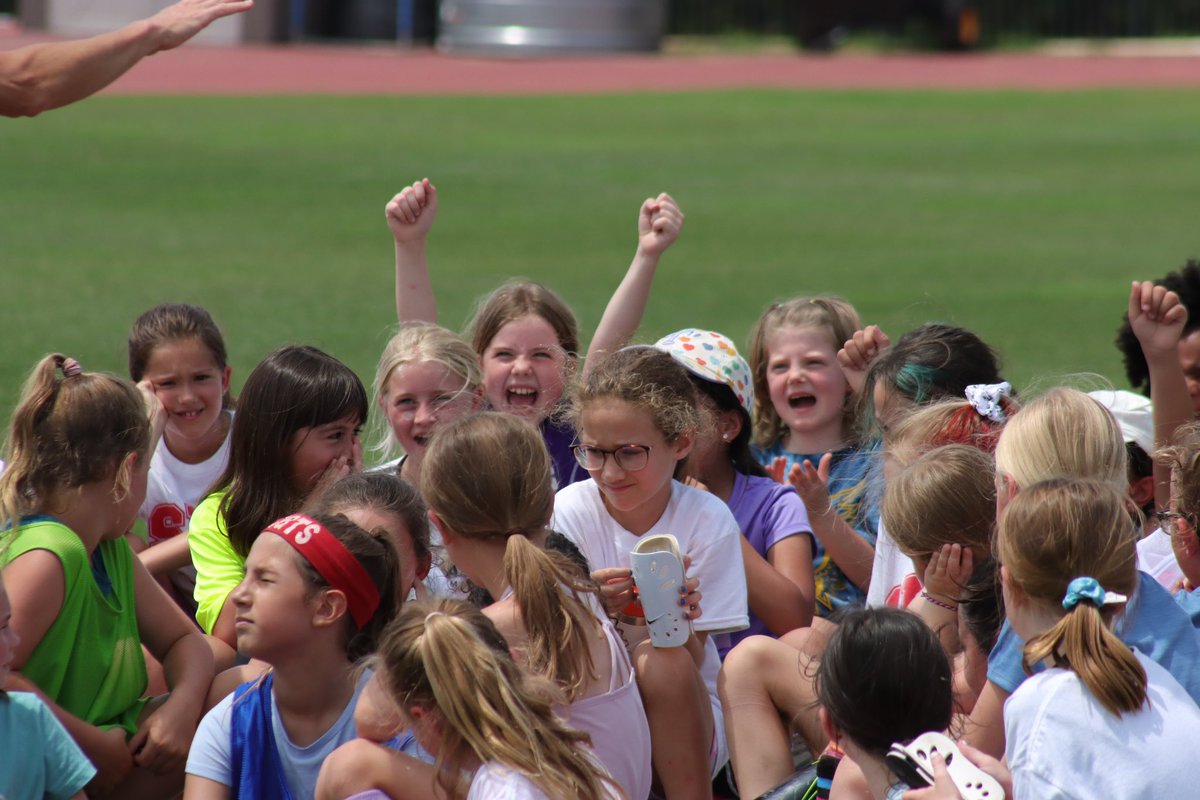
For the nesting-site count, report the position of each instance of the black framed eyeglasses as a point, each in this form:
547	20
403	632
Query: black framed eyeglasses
629	457
1167	520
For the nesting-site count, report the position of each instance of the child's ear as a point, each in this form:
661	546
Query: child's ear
683	445
1006	490
1012	592
226	374
827	727
1186	545
445	532
729	425
330	608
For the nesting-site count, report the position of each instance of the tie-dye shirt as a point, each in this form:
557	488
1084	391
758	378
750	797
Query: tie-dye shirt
849	474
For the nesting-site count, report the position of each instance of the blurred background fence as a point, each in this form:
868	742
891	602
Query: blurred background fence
817	24
932	22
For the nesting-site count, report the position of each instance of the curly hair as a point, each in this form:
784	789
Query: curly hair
1185	282
646	378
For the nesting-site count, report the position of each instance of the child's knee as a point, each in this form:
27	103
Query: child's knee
748	657
349	768
664	671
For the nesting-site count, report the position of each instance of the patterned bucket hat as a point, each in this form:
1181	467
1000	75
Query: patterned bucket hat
711	356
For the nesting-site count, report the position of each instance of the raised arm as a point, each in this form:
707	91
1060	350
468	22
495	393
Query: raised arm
410	216
40	77
659	223
1157	318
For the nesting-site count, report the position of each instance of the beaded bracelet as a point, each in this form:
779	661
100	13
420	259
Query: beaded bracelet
931	599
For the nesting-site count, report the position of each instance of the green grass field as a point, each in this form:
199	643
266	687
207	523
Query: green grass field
1022	216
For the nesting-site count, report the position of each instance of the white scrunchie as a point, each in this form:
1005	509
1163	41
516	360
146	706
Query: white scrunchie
985	397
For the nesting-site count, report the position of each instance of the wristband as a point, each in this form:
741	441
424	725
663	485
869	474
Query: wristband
931	599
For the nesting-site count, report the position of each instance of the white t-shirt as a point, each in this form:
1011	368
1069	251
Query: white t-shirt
211	751
1157	559
706	531
495	781
174	489
1061	743
893	582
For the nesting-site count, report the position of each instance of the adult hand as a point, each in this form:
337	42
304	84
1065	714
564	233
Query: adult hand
659	223
411	213
177	23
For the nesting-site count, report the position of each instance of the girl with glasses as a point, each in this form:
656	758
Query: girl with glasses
637	422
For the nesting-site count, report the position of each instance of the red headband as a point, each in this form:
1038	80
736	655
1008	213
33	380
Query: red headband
333	561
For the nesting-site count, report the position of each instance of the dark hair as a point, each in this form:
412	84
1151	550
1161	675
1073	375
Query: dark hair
376	551
738	449
294	387
1184	282
384	492
173	322
981	604
933	362
884	678
69	428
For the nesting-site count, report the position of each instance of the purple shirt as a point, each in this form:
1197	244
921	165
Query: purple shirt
767	513
559	437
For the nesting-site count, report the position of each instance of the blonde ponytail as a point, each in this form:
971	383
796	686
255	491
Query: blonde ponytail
1084	644
547	589
1050	534
488	477
447	658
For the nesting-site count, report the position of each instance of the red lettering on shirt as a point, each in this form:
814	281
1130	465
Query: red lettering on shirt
167	520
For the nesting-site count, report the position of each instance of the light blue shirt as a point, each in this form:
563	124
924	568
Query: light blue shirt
40	757
1153	624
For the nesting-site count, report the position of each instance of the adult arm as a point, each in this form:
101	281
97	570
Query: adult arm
659	223
40	77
